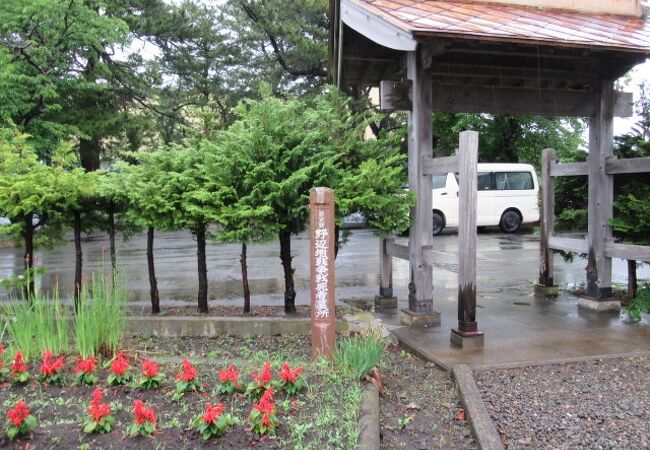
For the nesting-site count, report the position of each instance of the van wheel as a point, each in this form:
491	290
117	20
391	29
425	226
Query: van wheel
438	223
510	221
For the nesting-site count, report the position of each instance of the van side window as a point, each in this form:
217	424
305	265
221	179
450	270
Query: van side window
512	181
439	181
484	181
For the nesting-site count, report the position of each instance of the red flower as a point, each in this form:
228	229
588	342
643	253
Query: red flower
18	414
266	405
189	372
230	375
265	377
212	413
143	414
50	367
18	365
120	365
97	409
149	368
85	366
287	375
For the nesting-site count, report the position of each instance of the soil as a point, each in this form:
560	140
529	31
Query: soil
599	404
234	311
420	406
60	410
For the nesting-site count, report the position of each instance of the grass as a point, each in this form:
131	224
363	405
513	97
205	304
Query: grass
38	325
101	317
356	356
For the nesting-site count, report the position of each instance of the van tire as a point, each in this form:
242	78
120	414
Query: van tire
510	221
438	223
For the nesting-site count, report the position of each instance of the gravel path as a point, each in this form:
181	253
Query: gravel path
600	404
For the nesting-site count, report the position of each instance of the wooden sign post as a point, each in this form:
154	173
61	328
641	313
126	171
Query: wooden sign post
323	315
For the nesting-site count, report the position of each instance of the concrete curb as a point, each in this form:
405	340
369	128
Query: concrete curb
412	347
483	429
550	362
212	326
369	436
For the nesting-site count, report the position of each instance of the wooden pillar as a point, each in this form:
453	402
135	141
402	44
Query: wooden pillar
545	286
601	196
385	299
467	334
323	313
420	144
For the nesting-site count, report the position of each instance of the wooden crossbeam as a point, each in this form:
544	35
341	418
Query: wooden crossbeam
627	251
567	244
501	72
569	169
430	257
441	165
632	165
510	100
397	250
434	258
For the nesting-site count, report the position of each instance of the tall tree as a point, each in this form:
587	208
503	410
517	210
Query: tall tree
30	195
288	39
506	138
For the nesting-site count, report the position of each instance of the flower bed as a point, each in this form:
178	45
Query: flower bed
315	406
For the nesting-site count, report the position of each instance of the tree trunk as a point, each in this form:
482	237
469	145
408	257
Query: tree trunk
203	270
78	259
153	284
89	153
632	282
111	239
337	235
28	237
244	278
285	257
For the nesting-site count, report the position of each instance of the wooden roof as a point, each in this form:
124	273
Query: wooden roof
498	58
511	23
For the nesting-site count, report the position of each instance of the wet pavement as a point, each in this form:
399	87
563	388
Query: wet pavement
517	326
506	263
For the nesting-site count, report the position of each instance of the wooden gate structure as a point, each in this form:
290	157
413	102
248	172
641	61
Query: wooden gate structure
489	56
599	245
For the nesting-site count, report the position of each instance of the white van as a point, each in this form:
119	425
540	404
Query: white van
507	196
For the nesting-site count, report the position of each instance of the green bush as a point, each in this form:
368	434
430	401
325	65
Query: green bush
356	356
640	304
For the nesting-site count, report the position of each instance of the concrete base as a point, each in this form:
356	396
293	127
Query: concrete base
385	302
546	291
414	319
466	340
218	326
599	305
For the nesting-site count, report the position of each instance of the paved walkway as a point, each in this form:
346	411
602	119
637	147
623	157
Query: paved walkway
525	330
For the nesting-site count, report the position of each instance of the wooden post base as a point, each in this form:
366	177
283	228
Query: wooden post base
546	291
599	305
472	339
414	319
382	302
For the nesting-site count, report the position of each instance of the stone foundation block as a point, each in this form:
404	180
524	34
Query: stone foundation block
414	319
466	340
